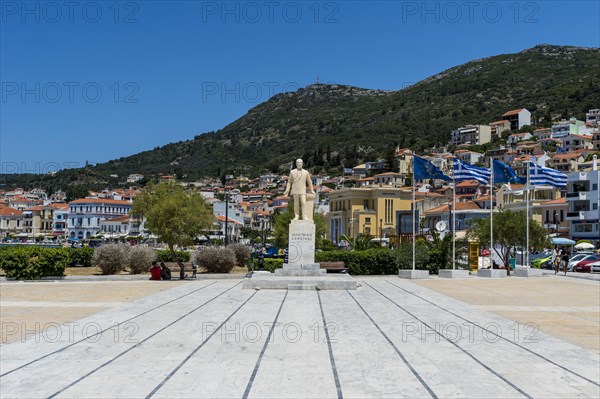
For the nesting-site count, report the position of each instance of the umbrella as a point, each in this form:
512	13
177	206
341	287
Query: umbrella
584	245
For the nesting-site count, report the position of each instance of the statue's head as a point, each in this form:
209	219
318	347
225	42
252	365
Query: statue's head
299	163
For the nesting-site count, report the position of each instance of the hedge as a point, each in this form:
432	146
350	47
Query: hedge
34	262
81	257
164	255
377	261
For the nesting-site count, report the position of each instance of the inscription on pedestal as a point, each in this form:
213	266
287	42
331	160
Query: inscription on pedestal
301	243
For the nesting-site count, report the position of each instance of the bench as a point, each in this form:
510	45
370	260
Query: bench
188	267
331	267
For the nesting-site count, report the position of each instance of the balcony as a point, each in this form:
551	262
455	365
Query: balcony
577	196
583	215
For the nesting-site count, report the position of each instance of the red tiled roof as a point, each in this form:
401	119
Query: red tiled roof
513	112
468	183
221	218
460	206
558	201
7	211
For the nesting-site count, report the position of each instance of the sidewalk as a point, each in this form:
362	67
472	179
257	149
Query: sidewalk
390	338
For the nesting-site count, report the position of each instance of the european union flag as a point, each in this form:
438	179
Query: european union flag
424	169
505	174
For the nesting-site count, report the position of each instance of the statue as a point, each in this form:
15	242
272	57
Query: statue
297	184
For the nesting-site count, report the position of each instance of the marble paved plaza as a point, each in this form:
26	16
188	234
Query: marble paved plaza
212	339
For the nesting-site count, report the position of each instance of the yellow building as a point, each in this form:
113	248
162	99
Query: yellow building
367	210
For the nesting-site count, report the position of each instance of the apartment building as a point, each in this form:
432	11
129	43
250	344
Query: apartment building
85	215
583	199
518	118
472	135
368	211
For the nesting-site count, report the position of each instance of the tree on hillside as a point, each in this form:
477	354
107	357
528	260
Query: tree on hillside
509	233
175	215
76	191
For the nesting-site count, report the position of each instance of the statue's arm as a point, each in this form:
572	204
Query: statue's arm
309	183
288	186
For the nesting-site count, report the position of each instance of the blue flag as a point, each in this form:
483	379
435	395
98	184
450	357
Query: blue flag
546	176
424	169
464	171
505	174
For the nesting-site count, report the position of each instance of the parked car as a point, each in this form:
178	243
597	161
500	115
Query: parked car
542	263
584	265
595	266
575	259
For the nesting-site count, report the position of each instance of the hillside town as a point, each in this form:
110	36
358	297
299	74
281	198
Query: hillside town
373	198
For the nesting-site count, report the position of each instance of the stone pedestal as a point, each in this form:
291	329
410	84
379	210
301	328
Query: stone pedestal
527	272
413	274
301	245
454	273
491	273
301	272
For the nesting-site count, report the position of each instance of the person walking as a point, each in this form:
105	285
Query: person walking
555	259
565	255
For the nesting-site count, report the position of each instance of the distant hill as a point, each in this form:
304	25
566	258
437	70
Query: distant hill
334	125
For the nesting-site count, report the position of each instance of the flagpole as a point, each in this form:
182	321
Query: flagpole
414	218
453	220
527	216
491	213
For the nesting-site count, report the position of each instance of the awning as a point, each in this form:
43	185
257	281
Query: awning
562	241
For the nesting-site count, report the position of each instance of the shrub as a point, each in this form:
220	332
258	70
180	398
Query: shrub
111	258
242	253
81	256
164	255
34	262
216	260
377	261
270	264
141	258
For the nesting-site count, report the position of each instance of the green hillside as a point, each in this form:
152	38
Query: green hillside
334	125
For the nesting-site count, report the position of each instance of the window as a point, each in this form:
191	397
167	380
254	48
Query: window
366	204
562	216
595	206
367	220
547	216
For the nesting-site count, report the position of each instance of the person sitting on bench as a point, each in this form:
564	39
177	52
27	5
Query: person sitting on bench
165	272
155	271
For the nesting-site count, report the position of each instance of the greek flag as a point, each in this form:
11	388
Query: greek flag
464	171
540	175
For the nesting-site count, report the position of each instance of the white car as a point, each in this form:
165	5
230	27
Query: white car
595	267
575	259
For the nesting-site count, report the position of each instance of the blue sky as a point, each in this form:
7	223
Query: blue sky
95	81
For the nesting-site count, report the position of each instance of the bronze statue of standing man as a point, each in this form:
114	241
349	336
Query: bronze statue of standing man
298	184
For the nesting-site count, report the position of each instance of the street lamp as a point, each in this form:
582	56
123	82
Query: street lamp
380	230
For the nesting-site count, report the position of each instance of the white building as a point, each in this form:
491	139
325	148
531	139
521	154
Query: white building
472	134
134	177
593	116
566	127
518	118
583	199
85	215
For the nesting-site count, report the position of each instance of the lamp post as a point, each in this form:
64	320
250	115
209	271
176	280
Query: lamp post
380	231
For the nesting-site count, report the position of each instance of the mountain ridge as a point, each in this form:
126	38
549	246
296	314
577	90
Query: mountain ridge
335	125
